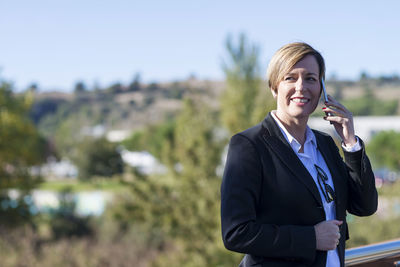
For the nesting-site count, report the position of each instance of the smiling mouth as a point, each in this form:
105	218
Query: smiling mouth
300	100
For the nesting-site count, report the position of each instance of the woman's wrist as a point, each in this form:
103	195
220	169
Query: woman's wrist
350	142
353	147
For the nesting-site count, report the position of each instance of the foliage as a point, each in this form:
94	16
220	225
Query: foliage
72	121
135	84
182	208
159	140
43	107
115	88
98	157
384	149
244	102
27	246
381	226
65	223
98	183
369	230
80	87
21	147
368	105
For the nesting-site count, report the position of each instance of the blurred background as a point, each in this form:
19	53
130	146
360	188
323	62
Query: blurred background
115	118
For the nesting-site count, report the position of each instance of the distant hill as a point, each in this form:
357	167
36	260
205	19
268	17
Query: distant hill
121	107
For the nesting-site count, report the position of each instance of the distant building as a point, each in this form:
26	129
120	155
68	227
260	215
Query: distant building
56	169
117	135
143	161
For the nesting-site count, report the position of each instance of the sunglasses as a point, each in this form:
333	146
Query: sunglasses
326	189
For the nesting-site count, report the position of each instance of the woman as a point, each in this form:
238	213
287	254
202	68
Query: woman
286	189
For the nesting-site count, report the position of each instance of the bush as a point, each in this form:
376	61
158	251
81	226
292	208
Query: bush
98	157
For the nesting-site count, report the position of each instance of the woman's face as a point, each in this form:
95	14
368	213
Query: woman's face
299	91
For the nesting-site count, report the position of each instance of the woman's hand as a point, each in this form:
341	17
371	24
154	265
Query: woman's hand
327	234
342	120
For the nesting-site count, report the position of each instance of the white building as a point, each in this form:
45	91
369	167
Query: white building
143	161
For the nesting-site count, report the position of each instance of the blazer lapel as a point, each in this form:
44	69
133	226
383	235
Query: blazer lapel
274	139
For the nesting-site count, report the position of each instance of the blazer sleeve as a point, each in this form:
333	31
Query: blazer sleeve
362	194
240	195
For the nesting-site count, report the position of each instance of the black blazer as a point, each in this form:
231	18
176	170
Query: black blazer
270	203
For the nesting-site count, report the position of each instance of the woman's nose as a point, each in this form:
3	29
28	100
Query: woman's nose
299	84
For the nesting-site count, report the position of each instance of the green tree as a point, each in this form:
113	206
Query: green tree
135	84
245	100
98	157
159	140
21	147
182	208
380	227
368	105
115	88
80	87
384	150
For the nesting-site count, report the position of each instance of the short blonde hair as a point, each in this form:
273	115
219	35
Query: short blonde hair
286	57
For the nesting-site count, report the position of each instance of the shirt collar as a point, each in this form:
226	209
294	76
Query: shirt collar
310	136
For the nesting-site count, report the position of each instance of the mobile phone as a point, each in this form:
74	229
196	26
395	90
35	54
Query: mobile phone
324	90
325	95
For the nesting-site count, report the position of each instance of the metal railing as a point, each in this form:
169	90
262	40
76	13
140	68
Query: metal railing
375	255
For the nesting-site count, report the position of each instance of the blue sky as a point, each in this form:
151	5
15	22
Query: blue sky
57	43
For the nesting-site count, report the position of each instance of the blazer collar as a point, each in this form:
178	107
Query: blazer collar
275	140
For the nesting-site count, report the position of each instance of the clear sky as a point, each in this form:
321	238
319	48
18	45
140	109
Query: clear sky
56	43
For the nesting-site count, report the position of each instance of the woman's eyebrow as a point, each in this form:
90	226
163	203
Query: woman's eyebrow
295	73
311	73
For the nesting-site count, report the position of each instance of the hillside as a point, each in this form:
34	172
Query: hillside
120	108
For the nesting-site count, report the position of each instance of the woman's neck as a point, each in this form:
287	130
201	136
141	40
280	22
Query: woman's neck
295	126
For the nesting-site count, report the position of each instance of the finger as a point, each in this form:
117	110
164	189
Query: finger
337	119
337	112
337	106
333	102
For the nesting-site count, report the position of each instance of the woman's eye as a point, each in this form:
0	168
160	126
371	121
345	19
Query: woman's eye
311	79
288	78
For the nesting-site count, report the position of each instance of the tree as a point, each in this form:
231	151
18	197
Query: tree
368	104
43	107
153	86
338	90
384	150
115	88
159	140
21	147
182	208
80	87
98	157
364	76
135	84
33	87
244	102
